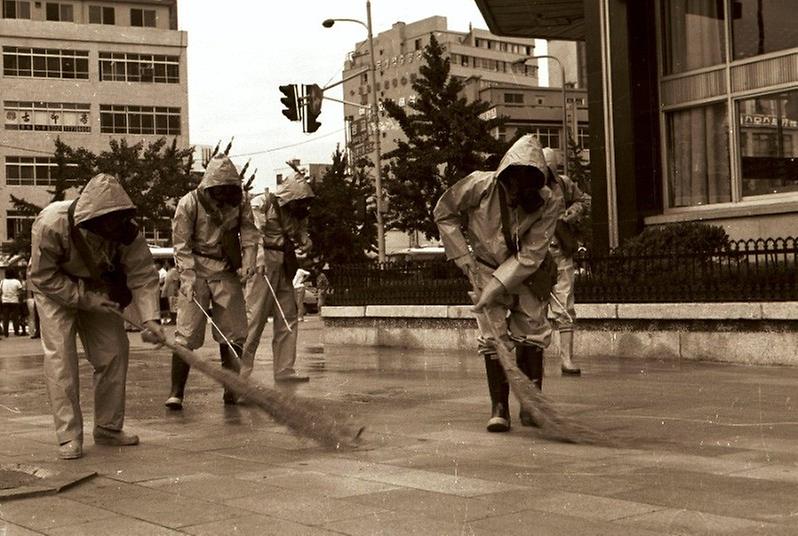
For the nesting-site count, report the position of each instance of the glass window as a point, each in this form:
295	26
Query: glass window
16	9
59	12
692	34
102	15
769	143
762	26
142	17
698	156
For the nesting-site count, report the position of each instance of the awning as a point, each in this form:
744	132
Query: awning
543	19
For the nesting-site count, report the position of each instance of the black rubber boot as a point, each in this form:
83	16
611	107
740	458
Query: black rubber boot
230	362
530	360
499	396
180	370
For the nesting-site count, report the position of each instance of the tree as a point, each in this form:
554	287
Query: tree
446	140
155	176
341	230
579	172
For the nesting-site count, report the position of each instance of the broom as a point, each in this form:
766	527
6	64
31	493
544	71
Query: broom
297	414
553	425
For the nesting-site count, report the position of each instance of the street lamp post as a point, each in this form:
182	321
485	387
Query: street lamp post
376	126
564	138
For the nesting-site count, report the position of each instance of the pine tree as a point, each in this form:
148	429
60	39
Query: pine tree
341	230
446	140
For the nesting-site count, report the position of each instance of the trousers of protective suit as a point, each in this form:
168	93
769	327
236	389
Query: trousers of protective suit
225	297
260	306
106	346
527	323
562	309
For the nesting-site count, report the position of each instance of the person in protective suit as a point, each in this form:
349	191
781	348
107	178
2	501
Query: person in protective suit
215	243
88	260
507	217
284	232
573	204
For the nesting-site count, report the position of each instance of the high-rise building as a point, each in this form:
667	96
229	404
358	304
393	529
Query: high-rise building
87	72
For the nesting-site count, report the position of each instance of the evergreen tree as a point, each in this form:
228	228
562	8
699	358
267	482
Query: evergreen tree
341	229
154	177
446	140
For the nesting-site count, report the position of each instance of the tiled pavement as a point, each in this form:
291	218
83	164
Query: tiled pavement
698	449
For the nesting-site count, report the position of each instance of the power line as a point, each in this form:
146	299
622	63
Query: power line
290	145
26	149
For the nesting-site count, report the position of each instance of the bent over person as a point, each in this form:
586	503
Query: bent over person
496	226
284	232
215	244
88	260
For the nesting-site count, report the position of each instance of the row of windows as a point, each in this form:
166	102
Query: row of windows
30	170
503	46
487	64
71	117
130	67
128	119
45	63
74	64
518	98
65	12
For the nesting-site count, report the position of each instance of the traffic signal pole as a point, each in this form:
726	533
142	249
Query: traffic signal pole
376	119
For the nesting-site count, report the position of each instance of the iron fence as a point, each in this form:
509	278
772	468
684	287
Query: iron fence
746	270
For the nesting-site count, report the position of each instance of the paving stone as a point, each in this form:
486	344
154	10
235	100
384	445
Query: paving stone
538	523
327	485
396	524
10	529
40	513
256	525
207	486
114	525
690	522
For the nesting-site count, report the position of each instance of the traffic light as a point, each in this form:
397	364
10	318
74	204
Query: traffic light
313	97
290	102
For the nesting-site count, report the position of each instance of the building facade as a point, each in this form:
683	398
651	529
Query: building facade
87	72
693	109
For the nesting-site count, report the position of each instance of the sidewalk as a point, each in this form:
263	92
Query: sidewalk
705	449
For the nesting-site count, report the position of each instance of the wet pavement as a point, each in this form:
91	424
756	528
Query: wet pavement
698	448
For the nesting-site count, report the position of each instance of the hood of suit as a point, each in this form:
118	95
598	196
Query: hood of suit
293	188
220	171
524	152
102	195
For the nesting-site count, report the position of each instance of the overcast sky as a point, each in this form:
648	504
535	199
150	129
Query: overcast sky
239	51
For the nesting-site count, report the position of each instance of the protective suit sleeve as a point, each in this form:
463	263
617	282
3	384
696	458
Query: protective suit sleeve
534	245
461	197
47	251
183	232
577	202
250	238
142	278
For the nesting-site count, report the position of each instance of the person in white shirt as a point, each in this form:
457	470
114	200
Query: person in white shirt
10	290
299	291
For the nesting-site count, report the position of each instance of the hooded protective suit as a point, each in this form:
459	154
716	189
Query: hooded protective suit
197	232
277	225
63	289
478	198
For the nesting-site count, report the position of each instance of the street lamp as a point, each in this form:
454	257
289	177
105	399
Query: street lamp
328	23
564	142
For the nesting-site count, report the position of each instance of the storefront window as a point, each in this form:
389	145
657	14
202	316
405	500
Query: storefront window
769	143
762	26
698	156
692	34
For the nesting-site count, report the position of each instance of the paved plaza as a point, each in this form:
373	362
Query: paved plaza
698	448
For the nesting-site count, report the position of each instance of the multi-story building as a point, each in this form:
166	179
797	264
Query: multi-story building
313	171
398	54
87	72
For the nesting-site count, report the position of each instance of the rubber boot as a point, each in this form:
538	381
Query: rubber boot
230	362
567	367
530	360
499	395
180	370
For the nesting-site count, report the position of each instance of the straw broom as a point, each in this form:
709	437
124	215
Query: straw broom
552	424
297	414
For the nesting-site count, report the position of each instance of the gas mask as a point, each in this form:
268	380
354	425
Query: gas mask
523	184
226	194
114	227
299	209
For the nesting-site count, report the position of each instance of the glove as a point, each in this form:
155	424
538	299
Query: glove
153	333
490	294
188	284
97	303
467	264
248	267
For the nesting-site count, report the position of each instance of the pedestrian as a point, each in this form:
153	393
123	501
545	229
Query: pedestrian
509	217
323	285
573	205
170	291
163	301
215	243
299	291
88	261
284	233
33	313
11	294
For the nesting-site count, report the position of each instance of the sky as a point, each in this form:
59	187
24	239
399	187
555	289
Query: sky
240	51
